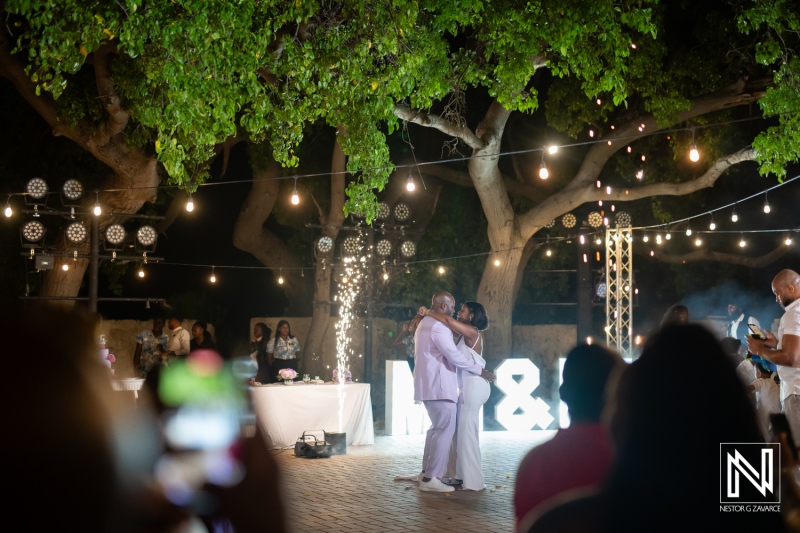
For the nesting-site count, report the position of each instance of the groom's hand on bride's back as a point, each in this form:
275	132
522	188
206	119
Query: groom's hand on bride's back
488	376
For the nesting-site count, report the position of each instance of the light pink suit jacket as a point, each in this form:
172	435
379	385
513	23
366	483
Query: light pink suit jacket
436	359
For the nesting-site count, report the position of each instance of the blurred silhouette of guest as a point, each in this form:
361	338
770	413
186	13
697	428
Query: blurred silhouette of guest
677	315
258	352
201	338
667	440
406	340
150	343
579	455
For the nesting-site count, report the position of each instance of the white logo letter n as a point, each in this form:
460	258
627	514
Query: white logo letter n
762	483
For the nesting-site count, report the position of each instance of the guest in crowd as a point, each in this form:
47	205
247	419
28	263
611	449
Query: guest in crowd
667	442
737	353
150	343
258	352
786	352
81	459
740	320
201	338
282	348
178	345
406	339
676	315
581	454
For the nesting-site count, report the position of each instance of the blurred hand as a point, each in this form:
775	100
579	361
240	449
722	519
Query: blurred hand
488	376
423	311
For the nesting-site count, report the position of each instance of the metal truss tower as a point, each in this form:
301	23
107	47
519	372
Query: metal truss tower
619	290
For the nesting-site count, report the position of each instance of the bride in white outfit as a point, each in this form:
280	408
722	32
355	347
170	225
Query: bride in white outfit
474	392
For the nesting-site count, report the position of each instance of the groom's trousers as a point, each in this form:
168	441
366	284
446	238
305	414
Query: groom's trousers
438	438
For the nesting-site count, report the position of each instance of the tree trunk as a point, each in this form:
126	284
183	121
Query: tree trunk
249	235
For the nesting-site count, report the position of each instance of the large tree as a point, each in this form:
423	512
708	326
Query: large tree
138	84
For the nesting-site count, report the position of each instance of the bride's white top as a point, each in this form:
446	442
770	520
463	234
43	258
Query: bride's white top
472	355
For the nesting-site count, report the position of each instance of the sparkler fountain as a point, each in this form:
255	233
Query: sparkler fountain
350	284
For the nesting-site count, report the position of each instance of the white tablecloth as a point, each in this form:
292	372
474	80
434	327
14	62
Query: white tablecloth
284	412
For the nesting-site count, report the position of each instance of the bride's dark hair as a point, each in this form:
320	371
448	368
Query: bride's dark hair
479	318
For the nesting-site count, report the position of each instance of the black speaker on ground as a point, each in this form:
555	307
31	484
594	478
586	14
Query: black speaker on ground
338	442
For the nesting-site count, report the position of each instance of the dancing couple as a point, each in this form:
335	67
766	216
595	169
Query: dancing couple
442	368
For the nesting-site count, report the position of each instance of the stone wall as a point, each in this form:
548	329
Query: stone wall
121	340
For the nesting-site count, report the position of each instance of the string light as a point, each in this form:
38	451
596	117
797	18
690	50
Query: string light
698	241
694	155
497	262
788	241
629	149
213	278
658	239
742	242
713	224
295	196
766	204
668	236
441	270
65	267
385	276
599	184
280	277
582	239
543	173
98	210
608	189
141	271
688	231
591	133
599	241
190	204
640	174
552	149
734	216
8	211
645	238
410	185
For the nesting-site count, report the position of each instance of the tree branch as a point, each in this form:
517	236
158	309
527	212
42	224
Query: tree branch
679	189
13	68
734	95
463	179
117	116
722	257
434	121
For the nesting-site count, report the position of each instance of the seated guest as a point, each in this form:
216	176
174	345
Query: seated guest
667	439
579	455
737	354
282	349
201	338
258	352
768	395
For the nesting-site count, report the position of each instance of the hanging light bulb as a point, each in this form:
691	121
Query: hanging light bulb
97	209
608	189
688	231
543	173
582	239
410	186
599	241
213	278
698	241
734	216
497	262
441	270
640	174
280	277
645	238
766	204
599	184
385	276
549	252
8	211
65	267
552	149
658	239
295	196
694	155
190	204
713	224
742	242
668	236
591	133
600	203
788	241
141	271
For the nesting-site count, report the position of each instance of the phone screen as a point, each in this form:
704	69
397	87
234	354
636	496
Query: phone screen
756	330
205	410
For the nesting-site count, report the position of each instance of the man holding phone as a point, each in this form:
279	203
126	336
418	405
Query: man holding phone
784	350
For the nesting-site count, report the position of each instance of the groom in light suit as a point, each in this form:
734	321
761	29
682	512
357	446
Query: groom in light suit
437	359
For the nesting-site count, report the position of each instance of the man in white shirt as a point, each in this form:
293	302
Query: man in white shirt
737	327
786	287
178	345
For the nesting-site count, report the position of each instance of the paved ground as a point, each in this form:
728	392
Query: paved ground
356	492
